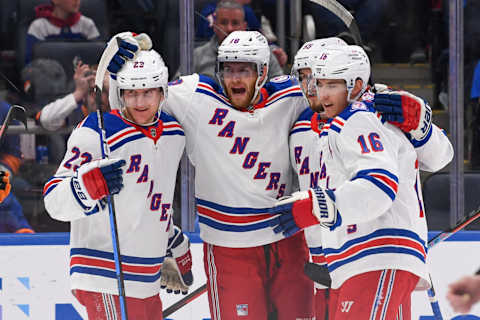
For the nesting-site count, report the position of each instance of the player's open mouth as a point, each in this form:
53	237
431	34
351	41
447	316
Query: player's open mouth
238	90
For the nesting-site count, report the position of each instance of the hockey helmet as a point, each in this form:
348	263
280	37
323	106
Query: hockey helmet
245	46
343	62
147	70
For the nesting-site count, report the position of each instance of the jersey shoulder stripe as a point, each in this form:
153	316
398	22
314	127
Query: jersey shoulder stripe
101	263
235	219
381	178
356	107
281	93
280	83
113	123
303	122
170	125
401	241
208	87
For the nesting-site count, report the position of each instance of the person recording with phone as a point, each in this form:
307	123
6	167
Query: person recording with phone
72	108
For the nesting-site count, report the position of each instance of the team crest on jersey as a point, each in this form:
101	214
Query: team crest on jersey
242	309
358	106
280	79
153	132
175	82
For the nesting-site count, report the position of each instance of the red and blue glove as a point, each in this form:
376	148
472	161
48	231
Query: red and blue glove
177	267
97	179
410	113
304	209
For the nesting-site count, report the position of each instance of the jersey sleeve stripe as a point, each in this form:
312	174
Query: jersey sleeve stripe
381	241
51	184
383	179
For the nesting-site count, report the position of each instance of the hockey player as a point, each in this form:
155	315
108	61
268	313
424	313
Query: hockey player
363	191
146	145
237	139
434	151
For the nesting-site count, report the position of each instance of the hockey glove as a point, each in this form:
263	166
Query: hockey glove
408	112
5	185
97	179
303	209
177	269
128	46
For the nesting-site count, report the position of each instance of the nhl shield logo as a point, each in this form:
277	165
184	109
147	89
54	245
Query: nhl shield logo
153	132
242	309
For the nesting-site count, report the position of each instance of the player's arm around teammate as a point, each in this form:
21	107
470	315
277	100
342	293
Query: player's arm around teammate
356	204
145	145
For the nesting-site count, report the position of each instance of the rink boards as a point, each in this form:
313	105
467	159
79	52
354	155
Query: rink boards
34	278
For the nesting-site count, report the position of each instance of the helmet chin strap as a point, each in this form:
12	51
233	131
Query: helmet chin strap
258	85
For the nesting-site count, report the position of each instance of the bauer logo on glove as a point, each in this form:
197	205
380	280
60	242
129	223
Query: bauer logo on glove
303	209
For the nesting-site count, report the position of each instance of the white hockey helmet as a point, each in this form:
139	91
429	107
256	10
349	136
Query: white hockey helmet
343	62
147	70
245	46
311	51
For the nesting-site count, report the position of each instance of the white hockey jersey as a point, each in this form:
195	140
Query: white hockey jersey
143	207
241	158
373	169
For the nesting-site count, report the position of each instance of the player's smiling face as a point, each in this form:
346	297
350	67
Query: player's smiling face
142	104
239	80
332	95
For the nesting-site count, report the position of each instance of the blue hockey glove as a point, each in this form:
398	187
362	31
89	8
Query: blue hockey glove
177	268
97	179
303	209
408	112
128	46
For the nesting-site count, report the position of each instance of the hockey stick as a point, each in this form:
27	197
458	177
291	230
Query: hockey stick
471	217
185	300
107	55
14	113
344	15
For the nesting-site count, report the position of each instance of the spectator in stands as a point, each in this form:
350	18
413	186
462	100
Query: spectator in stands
60	19
464	293
11	212
72	108
229	17
205	25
